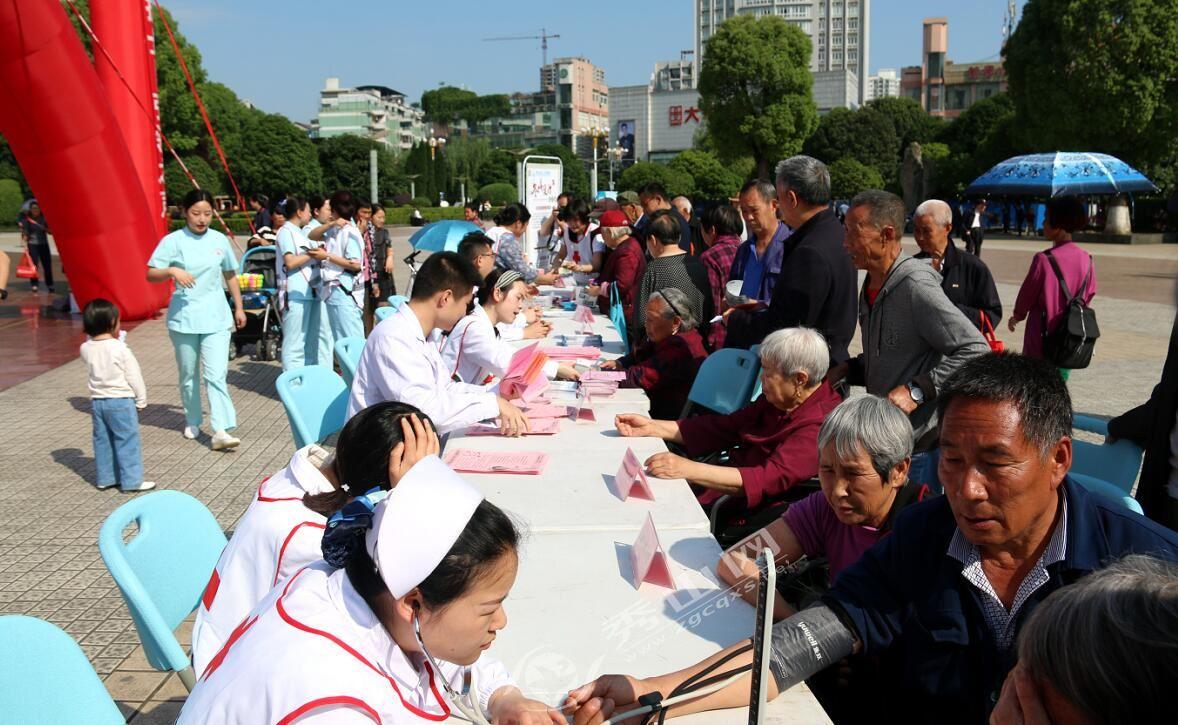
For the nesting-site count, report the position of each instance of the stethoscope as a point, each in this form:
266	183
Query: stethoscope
464	701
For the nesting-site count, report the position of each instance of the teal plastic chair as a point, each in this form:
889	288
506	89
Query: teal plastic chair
45	677
162	570
756	350
395	302
347	354
1117	463
724	383
1106	490
316	402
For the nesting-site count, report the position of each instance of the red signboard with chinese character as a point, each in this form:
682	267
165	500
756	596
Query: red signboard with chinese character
692	115
675	115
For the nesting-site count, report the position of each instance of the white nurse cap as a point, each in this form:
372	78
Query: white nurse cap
416	525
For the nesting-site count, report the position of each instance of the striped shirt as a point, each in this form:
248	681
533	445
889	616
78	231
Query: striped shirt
1000	621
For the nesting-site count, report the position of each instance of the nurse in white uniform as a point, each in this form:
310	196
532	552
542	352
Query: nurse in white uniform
391	628
475	350
306	334
200	323
583	249
282	529
400	362
341	258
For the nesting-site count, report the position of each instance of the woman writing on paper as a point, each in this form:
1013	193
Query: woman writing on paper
281	530
473	351
391	627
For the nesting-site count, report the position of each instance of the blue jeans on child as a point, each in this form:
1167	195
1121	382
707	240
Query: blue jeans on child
117	452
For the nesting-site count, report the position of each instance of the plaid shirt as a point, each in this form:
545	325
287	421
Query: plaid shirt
718	259
1000	621
665	370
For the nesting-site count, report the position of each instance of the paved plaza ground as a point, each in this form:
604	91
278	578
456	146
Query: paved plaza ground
49	562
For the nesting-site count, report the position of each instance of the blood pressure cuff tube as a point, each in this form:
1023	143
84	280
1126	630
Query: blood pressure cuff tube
809	641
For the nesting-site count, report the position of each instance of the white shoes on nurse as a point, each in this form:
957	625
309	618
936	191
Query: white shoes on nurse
221	439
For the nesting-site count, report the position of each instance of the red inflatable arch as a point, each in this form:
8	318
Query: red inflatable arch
88	150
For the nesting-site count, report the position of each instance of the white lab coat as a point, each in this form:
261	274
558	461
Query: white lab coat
476	353
398	363
276	537
582	250
313	651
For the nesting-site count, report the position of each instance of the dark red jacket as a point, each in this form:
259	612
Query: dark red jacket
666	371
774	450
624	267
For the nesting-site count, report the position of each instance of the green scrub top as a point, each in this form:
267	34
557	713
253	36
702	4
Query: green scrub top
203	308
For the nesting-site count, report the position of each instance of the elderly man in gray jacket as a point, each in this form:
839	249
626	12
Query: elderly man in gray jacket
913	336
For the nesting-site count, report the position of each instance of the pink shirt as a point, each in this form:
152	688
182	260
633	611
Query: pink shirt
817	528
1039	299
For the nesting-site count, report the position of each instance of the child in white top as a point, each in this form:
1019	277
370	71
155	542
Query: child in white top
117	392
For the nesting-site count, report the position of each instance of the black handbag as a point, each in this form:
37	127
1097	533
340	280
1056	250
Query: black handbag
1071	343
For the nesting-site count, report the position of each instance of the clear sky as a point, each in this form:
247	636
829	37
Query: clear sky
276	54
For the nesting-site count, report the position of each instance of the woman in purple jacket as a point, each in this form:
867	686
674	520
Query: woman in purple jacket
1040	301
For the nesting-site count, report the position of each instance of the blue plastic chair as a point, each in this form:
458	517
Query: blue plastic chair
347	354
316	402
724	383
162	570
395	302
1117	463
1106	490
45	677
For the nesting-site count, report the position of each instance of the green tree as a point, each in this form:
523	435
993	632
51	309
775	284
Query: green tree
869	138
908	119
344	161
497	194
676	181
576	177
446	104
176	182
848	177
713	180
500	168
976	122
11	199
754	89
980	137
9	169
179	117
1098	75
277	157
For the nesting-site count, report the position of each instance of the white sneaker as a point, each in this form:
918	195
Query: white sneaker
222	440
191	432
143	486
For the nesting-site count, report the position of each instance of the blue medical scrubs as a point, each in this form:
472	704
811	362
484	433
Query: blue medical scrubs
306	334
200	320
343	311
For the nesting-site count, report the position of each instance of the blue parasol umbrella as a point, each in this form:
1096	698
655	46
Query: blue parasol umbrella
1062	173
441	236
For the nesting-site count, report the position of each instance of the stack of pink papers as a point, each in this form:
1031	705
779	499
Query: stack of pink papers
525	377
599	389
614	376
572	353
542	412
539	427
468	461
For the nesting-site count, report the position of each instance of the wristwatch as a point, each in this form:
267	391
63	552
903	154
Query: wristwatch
916	393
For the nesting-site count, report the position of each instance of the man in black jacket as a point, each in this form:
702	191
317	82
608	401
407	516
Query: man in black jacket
654	198
816	287
1152	425
965	278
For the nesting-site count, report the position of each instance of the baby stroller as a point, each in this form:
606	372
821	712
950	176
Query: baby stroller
263	318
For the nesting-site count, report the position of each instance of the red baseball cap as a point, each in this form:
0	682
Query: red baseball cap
613	218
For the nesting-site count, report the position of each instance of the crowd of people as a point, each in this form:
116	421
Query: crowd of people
964	565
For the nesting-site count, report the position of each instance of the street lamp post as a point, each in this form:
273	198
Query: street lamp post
413	185
436	143
596	133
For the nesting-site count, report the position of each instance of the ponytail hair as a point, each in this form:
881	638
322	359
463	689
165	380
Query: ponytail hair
362	454
512	213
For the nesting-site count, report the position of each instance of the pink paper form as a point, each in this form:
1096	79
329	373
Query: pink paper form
468	461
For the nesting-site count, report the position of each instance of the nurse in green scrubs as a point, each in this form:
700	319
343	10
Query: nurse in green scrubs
199	318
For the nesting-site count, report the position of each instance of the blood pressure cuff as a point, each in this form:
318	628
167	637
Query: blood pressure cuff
809	641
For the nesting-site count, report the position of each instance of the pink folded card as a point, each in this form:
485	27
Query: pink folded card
539	427
648	558
630	479
467	461
572	353
583	314
525	377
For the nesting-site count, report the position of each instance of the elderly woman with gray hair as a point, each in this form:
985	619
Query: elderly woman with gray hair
1102	650
772	442
864	450
667	362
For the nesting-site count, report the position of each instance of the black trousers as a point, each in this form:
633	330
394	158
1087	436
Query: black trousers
41	257
973	241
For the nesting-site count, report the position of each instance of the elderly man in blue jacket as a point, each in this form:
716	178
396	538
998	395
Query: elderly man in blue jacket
942	599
